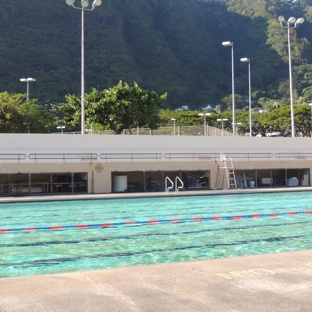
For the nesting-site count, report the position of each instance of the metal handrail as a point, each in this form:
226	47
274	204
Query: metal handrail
63	156
176	184
130	156
17	157
169	187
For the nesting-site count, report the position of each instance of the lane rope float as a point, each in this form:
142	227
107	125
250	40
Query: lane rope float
151	222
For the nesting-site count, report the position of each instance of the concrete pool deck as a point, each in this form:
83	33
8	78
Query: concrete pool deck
273	282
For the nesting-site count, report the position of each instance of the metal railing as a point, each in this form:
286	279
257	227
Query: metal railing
17	157
64	156
177	188
294	155
168	188
130	156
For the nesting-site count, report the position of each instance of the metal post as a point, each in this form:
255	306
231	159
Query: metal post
27	89
82	75
310	104
291	20
233	92
249	83
84	5
174	125
290	86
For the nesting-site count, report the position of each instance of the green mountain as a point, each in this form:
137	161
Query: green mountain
172	46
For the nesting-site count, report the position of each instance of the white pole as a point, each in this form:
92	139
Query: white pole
290	86
82	74
249	82
27	89
233	92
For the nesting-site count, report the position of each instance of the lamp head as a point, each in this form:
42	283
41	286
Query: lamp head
227	43
281	19
70	2
84	3
291	20
96	3
244	59
23	80
300	20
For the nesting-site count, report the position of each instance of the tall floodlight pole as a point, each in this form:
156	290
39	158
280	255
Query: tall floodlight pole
84	7
291	20
230	44
310	104
27	80
244	60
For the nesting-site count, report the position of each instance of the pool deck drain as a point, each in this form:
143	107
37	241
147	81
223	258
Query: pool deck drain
272	282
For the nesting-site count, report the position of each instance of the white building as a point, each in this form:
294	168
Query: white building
55	163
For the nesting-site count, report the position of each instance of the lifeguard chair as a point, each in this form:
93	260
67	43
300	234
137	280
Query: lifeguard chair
227	165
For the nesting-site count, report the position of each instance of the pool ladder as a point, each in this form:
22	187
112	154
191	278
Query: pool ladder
227	164
177	188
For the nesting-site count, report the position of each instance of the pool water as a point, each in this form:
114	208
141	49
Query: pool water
74	249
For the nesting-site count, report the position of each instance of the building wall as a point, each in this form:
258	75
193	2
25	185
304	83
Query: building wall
102	155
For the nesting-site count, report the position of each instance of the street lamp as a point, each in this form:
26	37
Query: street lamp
311	120
291	20
84	7
174	121
237	124
222	121
244	60
61	127
27	80
205	124
230	44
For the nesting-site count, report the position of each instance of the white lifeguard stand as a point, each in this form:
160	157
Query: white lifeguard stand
227	165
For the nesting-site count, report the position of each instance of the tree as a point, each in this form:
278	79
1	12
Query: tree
279	119
20	115
117	108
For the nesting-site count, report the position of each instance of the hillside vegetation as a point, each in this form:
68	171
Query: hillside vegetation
169	46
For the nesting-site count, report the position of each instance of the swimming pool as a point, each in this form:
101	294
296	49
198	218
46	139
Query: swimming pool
114	240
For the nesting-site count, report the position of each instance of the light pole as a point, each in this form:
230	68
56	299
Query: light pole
244	60
84	7
291	20
174	127
230	44
61	127
27	80
237	124
311	120
205	123
222	121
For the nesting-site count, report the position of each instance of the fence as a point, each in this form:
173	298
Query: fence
179	130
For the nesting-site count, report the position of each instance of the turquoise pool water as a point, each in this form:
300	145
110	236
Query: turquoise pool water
44	251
